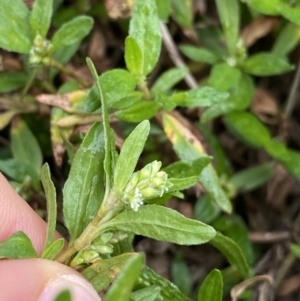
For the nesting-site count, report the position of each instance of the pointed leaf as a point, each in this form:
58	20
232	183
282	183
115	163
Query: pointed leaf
54	249
24	145
199	54
14	24
212	287
20	172
109	144
164	9
83	191
50	194
130	153
12	80
103	272
188	148
122	287
6	117
17	246
266	64
65	295
162	224
287	39
264	6
234	227
168	79
72	32
232	252
40	17
145	30
116	84
181	275
139	111
202	97
182	12
150	293
248	128
170	291
133	56
229	14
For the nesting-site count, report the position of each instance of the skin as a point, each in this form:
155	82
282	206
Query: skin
28	279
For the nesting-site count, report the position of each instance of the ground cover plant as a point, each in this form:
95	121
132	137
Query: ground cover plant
167	128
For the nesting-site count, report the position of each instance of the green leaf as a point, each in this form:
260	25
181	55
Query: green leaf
54	249
183	183
123	285
212	287
103	272
83	191
199	54
182	12
72	32
181	275
145	30
150	293
221	162
127	101
109	143
248	128
295	249
162	224
115	84
14	25
232	252
188	148
289	158
6	117
240	98
223	77
183	169
229	14
264	6
139	111
205	209
17	246
129	154
65	295
233	227
290	11
40	17
164	9
253	177
20	172
12	80
133	56
50	194
169	79
203	96
287	39
169	292
24	145
266	64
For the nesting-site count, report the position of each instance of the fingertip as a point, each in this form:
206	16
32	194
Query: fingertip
17	215
42	280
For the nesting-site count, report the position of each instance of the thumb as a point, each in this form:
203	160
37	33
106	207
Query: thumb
41	280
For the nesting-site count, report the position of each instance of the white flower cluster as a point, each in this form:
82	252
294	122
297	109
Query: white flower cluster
147	183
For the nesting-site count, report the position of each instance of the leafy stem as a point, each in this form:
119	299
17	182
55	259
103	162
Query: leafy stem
109	208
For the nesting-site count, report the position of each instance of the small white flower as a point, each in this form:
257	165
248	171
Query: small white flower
137	200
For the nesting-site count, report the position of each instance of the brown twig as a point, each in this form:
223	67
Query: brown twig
175	55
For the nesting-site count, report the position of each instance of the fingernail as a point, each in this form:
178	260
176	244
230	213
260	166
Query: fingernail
79	289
